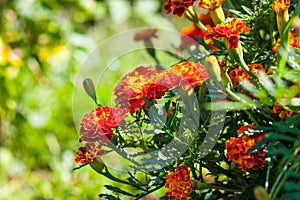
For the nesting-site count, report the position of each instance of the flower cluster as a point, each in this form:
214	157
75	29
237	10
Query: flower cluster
152	84
179	183
213	70
238	150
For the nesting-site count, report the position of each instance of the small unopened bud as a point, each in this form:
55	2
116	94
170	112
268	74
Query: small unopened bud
213	68
97	165
196	185
296	25
260	193
89	87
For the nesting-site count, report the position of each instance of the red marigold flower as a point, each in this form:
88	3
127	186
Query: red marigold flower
293	42
142	83
229	31
210	4
88	153
280	6
177	7
179	183
97	125
238	75
84	156
189	74
238	150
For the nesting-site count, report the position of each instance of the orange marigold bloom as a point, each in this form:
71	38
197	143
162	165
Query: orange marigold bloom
179	183
237	150
97	125
190	74
279	6
243	129
146	35
229	31
189	35
210	4
281	111
142	83
237	75
177	7
293	42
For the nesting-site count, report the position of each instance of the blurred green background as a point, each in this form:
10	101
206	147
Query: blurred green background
42	47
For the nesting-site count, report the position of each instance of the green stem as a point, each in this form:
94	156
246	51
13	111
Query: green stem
213	186
150	191
230	93
191	15
108	175
279	182
251	117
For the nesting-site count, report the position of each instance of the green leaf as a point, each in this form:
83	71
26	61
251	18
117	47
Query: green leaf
202	42
293	174
284	128
259	145
118	190
247	10
109	197
291	186
278	136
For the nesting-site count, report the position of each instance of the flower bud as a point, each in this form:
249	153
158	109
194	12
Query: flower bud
97	165
260	193
89	87
213	68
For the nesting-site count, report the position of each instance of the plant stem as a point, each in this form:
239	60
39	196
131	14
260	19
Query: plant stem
150	191
251	117
213	186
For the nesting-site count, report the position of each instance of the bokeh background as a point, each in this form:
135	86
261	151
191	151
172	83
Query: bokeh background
43	45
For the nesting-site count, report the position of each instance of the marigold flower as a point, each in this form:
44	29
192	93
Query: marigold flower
245	128
189	35
190	74
142	83
293	42
146	35
206	19
215	10
237	150
97	125
84	156
229	31
281	111
179	183
238	75
280	6
177	7
210	4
